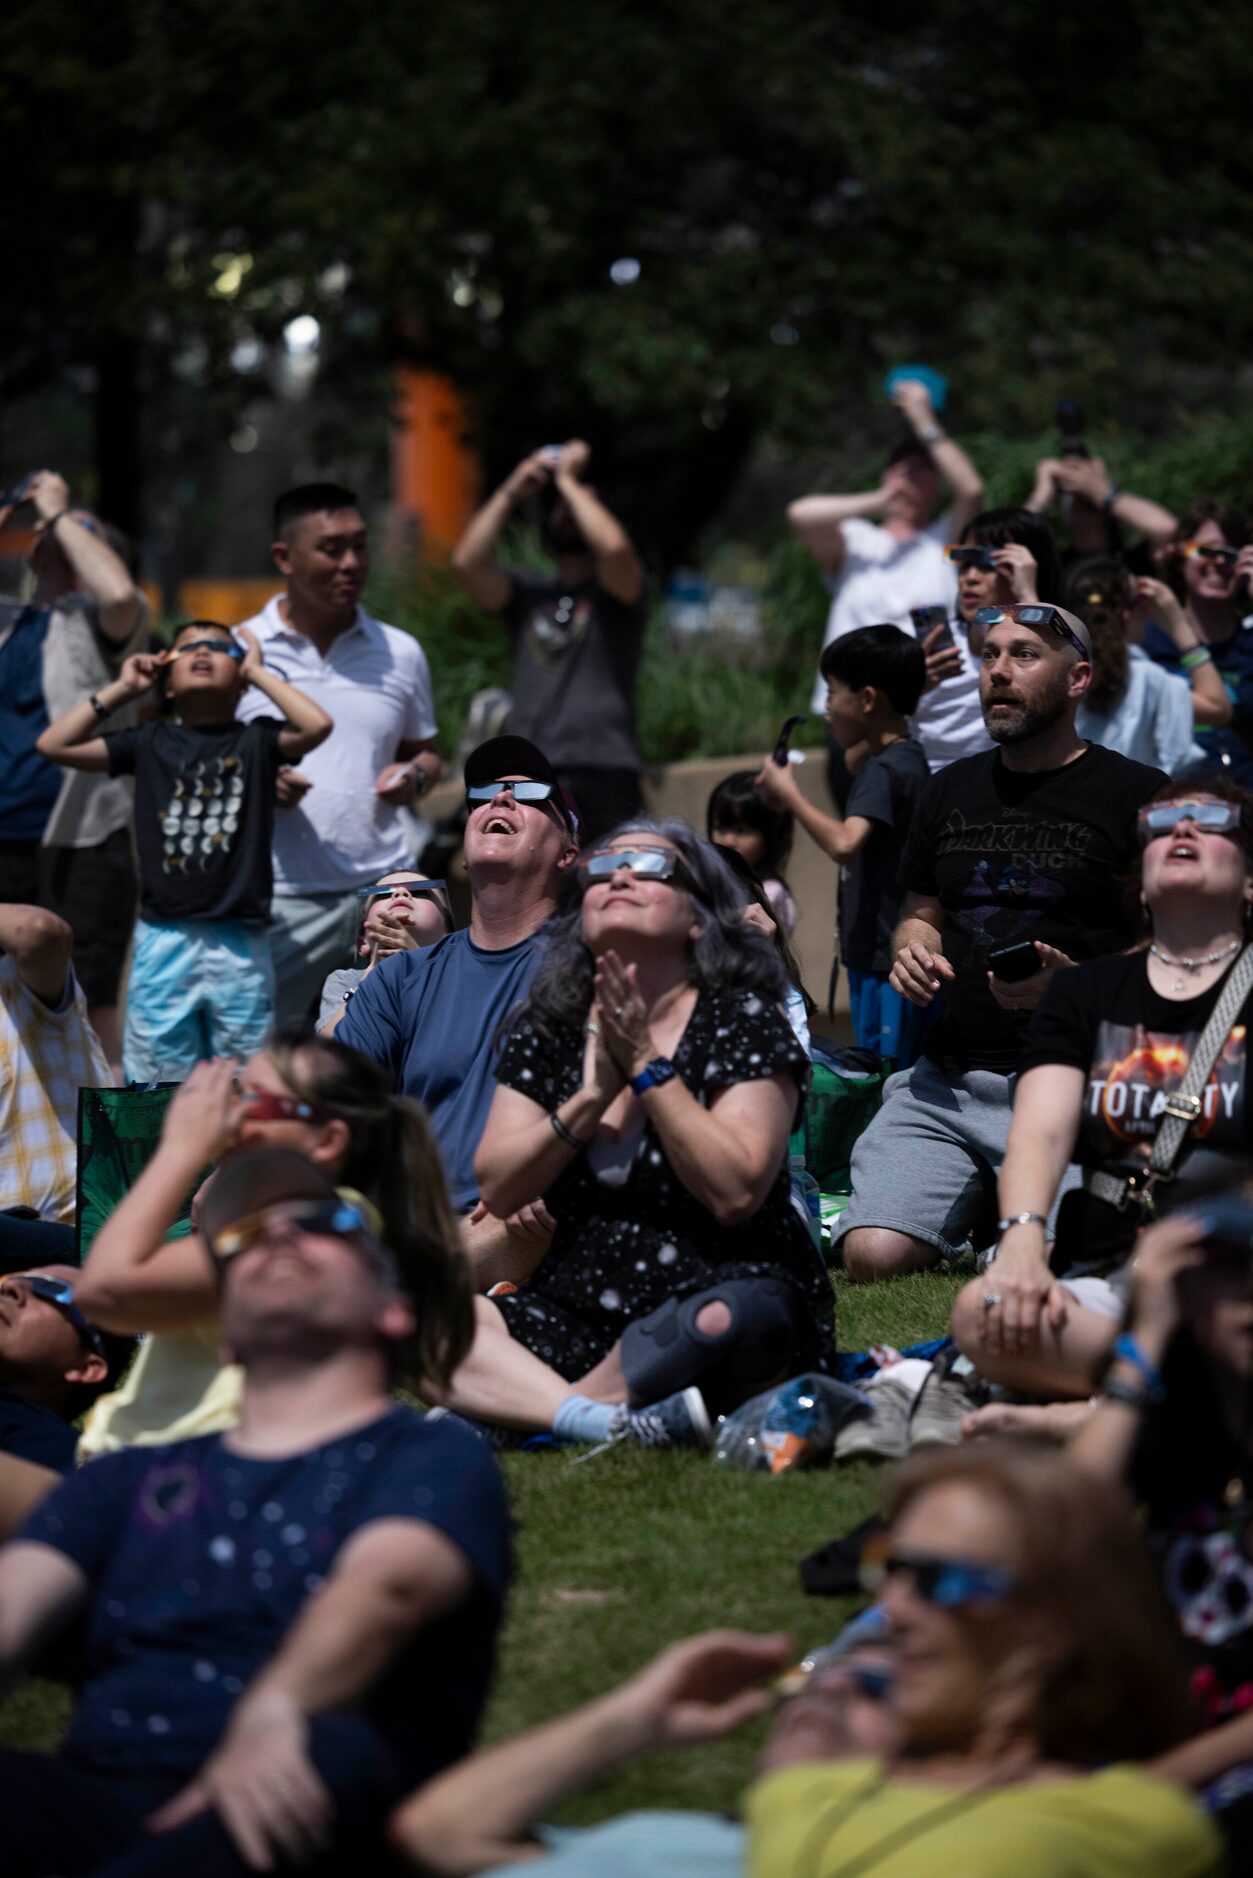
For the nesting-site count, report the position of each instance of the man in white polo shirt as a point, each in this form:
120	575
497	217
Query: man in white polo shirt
341	830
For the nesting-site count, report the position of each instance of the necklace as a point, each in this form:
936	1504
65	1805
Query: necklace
1192	965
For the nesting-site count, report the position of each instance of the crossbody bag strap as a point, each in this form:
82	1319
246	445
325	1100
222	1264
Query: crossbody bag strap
1183	1108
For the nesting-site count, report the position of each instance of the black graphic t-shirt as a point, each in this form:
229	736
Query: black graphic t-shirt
204	815
1015	857
576	657
1134	1048
887	792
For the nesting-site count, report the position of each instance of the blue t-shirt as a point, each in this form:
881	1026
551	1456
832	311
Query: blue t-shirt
29	783
431	1018
199	1560
1231	747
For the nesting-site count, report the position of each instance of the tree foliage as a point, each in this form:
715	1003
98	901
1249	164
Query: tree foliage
1039	200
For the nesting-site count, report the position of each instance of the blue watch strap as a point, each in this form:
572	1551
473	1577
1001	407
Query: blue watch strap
1127	1350
660	1070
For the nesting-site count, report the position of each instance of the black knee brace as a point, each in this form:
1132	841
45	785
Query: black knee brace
665	1352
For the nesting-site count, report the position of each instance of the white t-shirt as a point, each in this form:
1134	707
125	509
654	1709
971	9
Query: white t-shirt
1151	722
375	685
879	580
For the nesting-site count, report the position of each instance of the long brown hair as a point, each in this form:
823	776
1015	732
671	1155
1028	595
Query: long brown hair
393	1159
1098	591
1115	1684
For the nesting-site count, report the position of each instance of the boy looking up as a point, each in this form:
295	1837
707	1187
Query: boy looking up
874	680
202	980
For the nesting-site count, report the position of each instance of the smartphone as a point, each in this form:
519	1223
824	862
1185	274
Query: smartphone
1070	422
553	451
1011	964
926	619
779	754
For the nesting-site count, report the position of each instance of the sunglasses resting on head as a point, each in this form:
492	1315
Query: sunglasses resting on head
1035	617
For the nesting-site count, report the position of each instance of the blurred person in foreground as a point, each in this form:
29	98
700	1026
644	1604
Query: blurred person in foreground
575	635
1174	1418
65	841
338	828
645	1092
1029	1667
882	570
1024	846
287	1627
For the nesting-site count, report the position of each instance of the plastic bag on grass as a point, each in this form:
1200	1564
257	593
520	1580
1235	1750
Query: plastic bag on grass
792	1425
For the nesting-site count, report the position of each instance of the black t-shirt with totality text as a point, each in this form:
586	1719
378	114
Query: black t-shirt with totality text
204	815
1013	857
1134	1047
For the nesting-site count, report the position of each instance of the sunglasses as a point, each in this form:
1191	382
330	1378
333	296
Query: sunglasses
1033	616
231	651
520	791
412	887
949	1584
647	863
984	558
335	1217
1213	818
1207	551
280	1108
59	1293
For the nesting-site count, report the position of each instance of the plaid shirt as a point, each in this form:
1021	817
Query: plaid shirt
46	1056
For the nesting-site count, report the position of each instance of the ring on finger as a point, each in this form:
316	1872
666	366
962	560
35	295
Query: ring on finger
990	1300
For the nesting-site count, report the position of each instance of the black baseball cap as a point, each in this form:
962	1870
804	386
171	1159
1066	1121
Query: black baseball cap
518	756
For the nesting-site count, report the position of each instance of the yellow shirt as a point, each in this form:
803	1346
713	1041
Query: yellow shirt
829	1818
177	1387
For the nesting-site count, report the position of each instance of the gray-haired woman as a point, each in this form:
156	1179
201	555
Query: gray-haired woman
646	1091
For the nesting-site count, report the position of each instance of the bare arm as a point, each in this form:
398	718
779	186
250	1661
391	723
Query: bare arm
97	569
416	768
817	522
307	724
474	556
1088	477
393	1576
839	836
73	741
920	967
913	400
1211	705
40	945
40	1591
23	1486
476	1815
135	1279
1042	1132
618	567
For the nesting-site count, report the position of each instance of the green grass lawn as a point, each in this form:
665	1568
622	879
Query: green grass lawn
621	1555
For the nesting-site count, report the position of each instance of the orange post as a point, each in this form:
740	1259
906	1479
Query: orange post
435	472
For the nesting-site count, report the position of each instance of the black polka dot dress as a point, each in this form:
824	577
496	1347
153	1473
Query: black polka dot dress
632	1236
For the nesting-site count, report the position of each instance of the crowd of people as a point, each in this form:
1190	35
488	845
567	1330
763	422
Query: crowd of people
538	1171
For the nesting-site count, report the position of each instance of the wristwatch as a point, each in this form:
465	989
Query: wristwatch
653	1074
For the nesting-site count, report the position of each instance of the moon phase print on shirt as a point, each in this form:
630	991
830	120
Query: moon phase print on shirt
200	821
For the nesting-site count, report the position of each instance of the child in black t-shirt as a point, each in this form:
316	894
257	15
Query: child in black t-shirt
875	678
202	981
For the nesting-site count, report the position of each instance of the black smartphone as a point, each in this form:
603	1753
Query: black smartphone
779	754
926	619
1011	964
1070	422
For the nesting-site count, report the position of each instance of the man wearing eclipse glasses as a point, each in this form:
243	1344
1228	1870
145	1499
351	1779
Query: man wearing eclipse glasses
1014	869
288	1626
430	1017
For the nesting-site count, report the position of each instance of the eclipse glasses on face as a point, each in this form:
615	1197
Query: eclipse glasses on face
948	1584
335	1217
267	1107
411	887
1035	617
973	556
1212	818
647	863
229	650
1210	551
60	1295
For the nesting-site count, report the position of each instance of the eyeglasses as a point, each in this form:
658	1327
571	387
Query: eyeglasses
1212	818
947	1583
1033	616
983	558
60	1295
231	651
1209	551
335	1217
413	887
647	863
280	1108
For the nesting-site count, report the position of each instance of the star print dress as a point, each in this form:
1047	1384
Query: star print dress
629	1234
